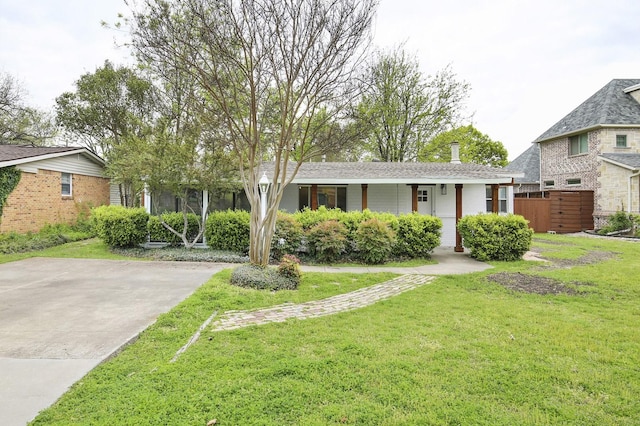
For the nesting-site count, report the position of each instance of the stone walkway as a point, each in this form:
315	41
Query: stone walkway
231	320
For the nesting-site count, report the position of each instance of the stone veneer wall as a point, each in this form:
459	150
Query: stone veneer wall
37	200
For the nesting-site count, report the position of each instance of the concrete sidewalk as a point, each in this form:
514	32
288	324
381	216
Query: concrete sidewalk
448	262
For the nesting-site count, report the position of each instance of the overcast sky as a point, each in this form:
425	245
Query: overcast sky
529	63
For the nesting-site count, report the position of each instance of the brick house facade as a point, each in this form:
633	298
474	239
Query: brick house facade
42	196
597	147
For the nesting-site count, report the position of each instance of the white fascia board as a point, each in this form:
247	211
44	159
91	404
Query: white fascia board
632	88
81	151
417	181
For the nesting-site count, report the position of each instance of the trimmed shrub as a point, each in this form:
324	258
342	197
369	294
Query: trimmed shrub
261	278
119	226
417	235
157	232
308	218
327	240
618	221
228	230
287	236
374	241
289	267
490	236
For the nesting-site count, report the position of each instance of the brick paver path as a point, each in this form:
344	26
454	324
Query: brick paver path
343	302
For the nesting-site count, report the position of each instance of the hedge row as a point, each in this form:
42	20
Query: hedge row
328	235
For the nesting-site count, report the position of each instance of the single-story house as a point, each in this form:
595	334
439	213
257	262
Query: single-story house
446	190
56	185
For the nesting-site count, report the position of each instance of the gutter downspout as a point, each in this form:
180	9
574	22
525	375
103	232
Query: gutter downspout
629	200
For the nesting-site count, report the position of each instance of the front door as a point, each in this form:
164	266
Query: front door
425	200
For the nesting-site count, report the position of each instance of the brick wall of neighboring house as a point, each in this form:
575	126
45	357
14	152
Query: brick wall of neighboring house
556	165
37	200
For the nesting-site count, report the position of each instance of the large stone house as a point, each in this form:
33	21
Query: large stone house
596	147
56	185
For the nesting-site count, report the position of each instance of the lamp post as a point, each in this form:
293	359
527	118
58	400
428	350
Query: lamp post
264	189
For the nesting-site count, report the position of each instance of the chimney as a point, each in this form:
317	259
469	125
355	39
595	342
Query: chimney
455	153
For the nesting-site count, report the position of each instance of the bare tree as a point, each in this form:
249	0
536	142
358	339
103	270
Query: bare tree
401	109
268	67
20	123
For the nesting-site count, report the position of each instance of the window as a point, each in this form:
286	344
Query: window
66	180
328	196
549	184
502	199
574	182
621	141
579	144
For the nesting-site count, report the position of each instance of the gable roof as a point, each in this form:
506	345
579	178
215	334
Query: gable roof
627	161
528	163
338	173
609	106
12	155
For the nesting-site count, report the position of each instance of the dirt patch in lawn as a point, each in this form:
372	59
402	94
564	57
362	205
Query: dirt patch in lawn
586	259
533	284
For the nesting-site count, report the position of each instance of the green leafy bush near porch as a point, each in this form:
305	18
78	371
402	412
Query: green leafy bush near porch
417	235
157	231
494	237
119	226
374	241
327	241
287	236
228	230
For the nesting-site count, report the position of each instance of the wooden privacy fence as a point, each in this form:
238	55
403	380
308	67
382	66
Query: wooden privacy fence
558	211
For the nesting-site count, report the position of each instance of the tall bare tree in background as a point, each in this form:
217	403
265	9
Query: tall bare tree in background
268	67
19	123
401	109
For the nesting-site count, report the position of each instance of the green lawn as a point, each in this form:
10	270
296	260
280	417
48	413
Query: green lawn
462	350
85	249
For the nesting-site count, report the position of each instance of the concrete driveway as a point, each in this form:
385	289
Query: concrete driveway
59	318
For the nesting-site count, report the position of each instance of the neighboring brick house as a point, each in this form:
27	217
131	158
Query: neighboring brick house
597	147
56	185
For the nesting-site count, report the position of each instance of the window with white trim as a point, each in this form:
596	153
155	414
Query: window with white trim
549	183
621	141
502	199
574	182
579	144
66	179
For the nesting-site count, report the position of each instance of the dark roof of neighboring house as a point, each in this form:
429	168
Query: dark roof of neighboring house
528	163
610	105
629	161
396	173
11	155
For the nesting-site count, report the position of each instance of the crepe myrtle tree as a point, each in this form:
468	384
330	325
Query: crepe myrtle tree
267	67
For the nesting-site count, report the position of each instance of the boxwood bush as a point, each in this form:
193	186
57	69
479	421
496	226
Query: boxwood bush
157	231
287	236
327	240
374	240
417	235
490	236
228	230
119	226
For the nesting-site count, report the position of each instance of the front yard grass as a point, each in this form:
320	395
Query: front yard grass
461	350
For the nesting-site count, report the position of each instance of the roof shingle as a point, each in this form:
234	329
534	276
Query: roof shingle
608	106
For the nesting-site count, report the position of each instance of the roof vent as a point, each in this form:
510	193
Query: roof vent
455	153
